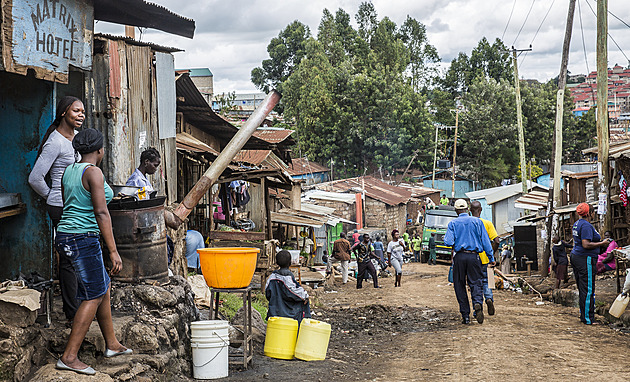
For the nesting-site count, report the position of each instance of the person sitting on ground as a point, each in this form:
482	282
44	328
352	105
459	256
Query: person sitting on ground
561	260
364	252
286	296
417	247
606	259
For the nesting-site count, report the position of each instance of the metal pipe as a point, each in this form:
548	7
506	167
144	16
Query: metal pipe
223	160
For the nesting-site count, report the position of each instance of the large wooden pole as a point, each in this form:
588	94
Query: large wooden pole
602	110
556	163
519	121
454	152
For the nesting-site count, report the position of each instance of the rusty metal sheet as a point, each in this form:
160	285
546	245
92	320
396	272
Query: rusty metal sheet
273	135
301	166
47	36
114	69
374	188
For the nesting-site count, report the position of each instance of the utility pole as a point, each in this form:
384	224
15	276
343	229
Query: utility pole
556	149
415	154
602	112
435	156
455	151
519	119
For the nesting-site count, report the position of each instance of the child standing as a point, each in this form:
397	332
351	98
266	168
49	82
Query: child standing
286	296
561	260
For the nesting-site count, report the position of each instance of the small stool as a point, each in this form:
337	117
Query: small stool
248	339
529	267
299	271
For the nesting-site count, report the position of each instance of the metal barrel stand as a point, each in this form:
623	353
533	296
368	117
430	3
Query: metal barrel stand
247	343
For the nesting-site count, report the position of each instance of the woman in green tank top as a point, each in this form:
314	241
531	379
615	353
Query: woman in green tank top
85	218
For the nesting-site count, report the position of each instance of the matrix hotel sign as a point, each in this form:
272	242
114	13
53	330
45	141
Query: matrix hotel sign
47	36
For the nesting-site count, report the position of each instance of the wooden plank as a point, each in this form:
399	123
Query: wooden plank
268	223
235	235
20	209
114	69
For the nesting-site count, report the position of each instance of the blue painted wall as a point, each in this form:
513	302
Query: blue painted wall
26	111
461	186
317	177
544	179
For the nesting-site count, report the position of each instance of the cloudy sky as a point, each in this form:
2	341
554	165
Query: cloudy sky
231	36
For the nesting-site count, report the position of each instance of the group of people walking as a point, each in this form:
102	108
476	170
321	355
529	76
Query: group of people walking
67	176
365	250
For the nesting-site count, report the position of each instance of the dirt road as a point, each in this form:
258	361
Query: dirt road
413	333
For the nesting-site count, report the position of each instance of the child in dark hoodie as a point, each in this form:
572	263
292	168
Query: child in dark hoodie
286	296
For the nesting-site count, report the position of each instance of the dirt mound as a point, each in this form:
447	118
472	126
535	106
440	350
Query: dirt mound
380	319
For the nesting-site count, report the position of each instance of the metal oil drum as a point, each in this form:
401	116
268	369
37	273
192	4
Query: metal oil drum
140	235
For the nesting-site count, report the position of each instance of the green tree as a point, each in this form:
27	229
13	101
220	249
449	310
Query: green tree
422	55
581	136
486	61
488	147
285	53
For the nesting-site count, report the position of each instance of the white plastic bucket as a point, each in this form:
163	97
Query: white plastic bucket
209	342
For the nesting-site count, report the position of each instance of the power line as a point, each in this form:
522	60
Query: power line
611	37
509	19
525	21
538	30
615	16
584	46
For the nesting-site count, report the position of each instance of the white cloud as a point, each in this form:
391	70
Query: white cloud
231	37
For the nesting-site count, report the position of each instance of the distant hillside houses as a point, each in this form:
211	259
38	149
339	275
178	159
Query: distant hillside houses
585	95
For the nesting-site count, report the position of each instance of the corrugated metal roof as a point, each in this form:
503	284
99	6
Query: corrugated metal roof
140	13
615	150
301	166
273	135
374	188
534	200
317	209
496	194
187	142
197	112
200	72
419	191
330	196
285	218
579	175
131	41
255	157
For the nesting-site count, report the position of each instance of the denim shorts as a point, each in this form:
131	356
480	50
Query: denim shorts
84	251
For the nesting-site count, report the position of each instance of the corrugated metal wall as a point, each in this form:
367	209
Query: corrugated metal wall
123	95
26	107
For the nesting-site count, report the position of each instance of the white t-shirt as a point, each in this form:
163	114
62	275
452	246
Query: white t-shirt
396	249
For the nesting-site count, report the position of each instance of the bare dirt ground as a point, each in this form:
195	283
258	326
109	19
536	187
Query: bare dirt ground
413	333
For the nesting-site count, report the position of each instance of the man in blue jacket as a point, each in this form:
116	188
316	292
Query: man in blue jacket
467	235
286	296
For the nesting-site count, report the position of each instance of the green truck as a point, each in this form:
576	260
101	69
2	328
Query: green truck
436	220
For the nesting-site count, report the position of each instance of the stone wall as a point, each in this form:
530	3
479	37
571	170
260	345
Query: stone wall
379	214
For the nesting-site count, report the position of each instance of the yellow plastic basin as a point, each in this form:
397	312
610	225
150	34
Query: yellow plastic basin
280	338
228	267
312	342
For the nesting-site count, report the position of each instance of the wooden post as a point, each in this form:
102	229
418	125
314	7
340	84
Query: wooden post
519	121
556	149
602	109
268	224
434	157
454	152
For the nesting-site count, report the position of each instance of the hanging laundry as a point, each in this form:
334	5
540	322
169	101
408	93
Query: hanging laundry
623	186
